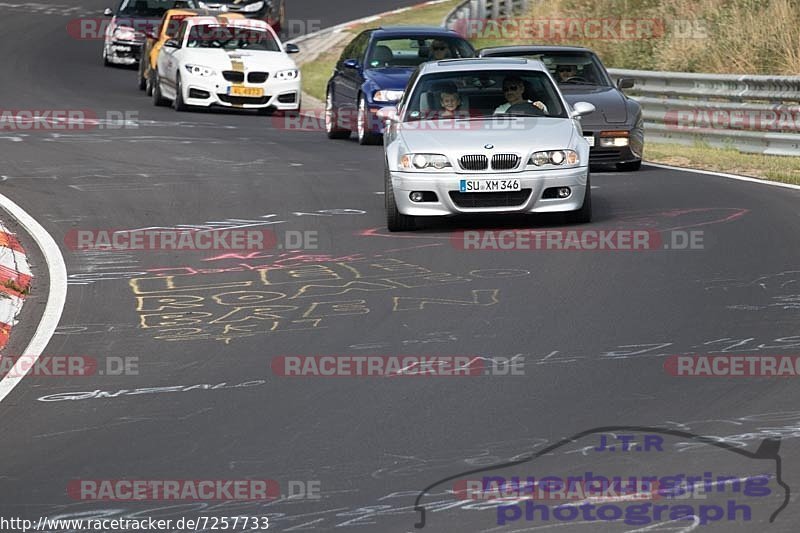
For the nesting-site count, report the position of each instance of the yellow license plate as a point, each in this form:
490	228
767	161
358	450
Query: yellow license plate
240	90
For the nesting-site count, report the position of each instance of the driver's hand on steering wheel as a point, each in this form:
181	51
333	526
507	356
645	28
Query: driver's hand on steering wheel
539	104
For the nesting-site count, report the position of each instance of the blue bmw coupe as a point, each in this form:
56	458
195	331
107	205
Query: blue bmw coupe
374	70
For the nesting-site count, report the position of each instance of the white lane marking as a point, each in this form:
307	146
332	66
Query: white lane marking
56	298
725	175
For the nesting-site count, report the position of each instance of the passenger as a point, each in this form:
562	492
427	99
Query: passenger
450	100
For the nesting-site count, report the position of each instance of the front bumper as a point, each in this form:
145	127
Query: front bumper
124	52
213	91
443	184
608	155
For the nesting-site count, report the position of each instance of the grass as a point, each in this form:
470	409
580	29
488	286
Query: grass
703	157
316	73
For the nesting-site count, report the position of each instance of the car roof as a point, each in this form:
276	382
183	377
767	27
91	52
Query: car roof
403	31
481	63
535	49
239	22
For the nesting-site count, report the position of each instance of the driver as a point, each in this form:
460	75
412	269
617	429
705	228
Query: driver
566	72
513	90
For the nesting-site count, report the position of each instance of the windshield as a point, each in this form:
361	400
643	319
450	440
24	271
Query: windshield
151	8
409	52
490	93
568	68
232	38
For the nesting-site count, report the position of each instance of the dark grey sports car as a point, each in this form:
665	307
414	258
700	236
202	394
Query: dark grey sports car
615	131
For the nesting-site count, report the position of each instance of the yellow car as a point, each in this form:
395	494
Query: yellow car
170	24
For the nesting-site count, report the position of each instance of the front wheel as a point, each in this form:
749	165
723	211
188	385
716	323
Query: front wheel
395	220
331	118
178	102
365	135
158	100
584	214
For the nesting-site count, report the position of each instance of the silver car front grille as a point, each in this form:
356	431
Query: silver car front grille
505	161
474	162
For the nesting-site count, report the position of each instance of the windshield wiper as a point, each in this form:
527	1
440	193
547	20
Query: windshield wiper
577	82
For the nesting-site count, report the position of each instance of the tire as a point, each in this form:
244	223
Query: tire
630	167
331	129
395	220
365	136
141	76
158	100
148	89
106	62
584	214
178	104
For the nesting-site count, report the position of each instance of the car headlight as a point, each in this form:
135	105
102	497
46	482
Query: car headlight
614	139
424	161
199	70
566	158
287	74
124	33
387	96
252	8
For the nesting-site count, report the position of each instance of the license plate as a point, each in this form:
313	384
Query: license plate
240	90
589	139
489	185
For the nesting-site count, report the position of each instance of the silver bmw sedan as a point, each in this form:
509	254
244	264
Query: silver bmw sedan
487	136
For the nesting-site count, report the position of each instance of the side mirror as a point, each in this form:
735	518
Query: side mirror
171	43
388	113
626	83
291	48
351	63
580	109
107	12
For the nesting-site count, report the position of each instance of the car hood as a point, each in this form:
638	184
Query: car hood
251	59
389	78
517	135
610	104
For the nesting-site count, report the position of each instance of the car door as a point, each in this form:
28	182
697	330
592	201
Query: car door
350	79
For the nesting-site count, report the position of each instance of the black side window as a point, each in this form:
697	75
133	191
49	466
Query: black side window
356	48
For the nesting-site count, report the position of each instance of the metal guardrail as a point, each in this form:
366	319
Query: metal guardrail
755	114
484	9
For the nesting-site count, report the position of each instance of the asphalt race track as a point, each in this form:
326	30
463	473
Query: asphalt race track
591	329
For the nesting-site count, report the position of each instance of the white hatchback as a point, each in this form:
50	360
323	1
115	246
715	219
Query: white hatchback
235	63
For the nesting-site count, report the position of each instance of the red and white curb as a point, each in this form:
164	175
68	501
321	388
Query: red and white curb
15	281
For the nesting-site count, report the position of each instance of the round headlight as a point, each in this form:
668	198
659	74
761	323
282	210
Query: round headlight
557	157
420	161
